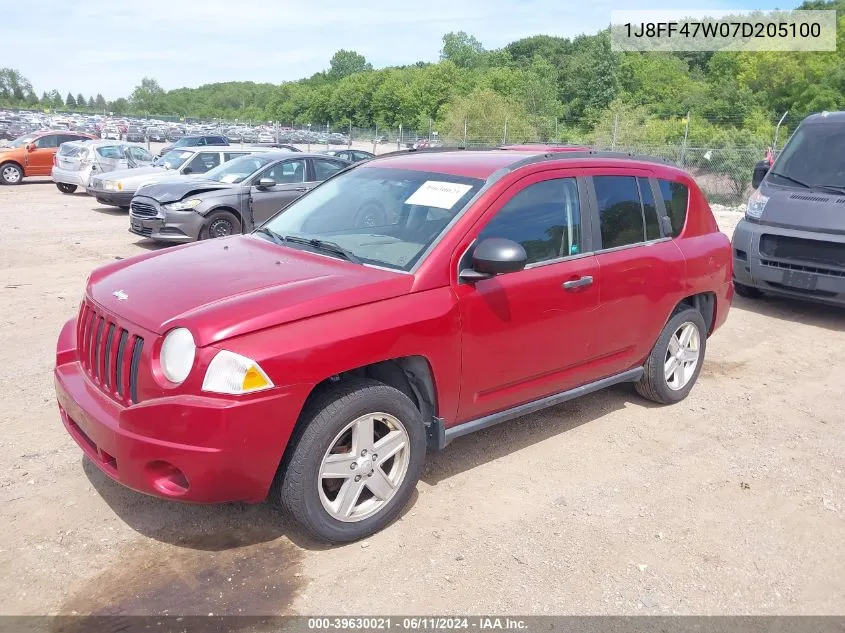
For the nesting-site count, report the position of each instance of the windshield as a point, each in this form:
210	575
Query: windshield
185	141
239	169
174	159
22	140
813	156
386	217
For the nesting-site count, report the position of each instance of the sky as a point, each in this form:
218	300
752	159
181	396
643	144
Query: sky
108	46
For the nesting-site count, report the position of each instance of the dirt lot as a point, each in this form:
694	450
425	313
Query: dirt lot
730	502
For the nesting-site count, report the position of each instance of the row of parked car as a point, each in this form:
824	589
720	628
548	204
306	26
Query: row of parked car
197	189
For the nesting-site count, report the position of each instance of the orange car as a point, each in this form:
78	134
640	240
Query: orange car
32	154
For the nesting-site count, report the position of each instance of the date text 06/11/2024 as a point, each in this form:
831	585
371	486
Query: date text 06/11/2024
418	623
723	29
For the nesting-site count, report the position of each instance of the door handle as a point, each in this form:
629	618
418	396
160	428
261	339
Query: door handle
586	280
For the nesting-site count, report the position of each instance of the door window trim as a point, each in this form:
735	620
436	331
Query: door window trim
596	216
514	188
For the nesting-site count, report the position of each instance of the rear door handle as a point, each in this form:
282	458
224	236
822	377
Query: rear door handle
586	280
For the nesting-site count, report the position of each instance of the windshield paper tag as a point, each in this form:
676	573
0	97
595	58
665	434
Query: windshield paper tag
442	195
229	178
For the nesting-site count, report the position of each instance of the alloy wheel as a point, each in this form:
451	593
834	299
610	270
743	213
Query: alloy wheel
682	356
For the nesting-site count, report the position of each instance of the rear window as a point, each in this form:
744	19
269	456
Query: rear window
66	149
676	198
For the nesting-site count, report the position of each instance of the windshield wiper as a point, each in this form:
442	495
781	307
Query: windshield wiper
790	179
323	245
832	188
274	237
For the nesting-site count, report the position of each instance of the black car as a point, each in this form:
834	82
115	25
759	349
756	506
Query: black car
195	141
157	134
135	134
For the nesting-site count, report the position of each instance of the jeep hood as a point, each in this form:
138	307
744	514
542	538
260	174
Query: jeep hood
173	190
227	287
805	210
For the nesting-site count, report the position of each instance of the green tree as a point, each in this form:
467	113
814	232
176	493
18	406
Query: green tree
489	118
462	49
70	102
147	97
80	100
345	63
91	103
100	102
56	100
13	86
119	106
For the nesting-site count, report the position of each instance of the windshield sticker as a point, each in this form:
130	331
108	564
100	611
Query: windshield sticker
442	195
229	178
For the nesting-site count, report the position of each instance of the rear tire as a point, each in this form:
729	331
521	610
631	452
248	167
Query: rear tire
670	371
65	188
329	436
748	292
220	224
11	174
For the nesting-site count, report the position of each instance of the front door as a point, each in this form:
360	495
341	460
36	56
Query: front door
529	334
289	177
39	162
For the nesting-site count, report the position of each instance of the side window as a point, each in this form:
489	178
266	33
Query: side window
676	198
652	224
47	142
325	168
218	140
288	172
620	210
360	156
544	217
204	161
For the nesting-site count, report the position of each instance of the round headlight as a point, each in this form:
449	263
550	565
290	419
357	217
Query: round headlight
177	355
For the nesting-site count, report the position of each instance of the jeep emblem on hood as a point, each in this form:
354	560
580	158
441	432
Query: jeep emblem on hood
121	296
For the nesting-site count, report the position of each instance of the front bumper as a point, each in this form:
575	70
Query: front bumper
789	277
69	177
194	448
165	225
112	198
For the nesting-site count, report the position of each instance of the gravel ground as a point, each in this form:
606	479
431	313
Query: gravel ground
729	502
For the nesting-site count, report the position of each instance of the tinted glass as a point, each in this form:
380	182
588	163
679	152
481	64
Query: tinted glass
620	210
175	158
812	156
232	155
49	141
676	198
204	161
544	217
652	224
325	168
139	153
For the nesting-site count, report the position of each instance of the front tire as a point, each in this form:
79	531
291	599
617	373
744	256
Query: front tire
674	364
11	174
65	188
747	292
220	224
355	462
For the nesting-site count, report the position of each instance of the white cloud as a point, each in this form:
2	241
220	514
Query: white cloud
108	47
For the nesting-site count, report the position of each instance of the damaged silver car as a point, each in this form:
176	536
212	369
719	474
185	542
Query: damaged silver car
77	162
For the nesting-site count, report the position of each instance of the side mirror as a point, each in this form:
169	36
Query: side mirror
266	183
30	147
761	168
495	256
187	170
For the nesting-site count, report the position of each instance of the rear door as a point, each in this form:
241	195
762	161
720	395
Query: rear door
642	269
290	182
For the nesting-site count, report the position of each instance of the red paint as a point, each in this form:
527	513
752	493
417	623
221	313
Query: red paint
305	317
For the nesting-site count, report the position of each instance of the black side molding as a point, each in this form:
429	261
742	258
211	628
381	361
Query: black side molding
439	436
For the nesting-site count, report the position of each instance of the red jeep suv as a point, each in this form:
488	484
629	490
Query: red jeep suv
406	301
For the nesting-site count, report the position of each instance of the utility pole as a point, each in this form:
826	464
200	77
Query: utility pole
777	131
615	131
465	132
399	140
505	133
350	136
686	136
